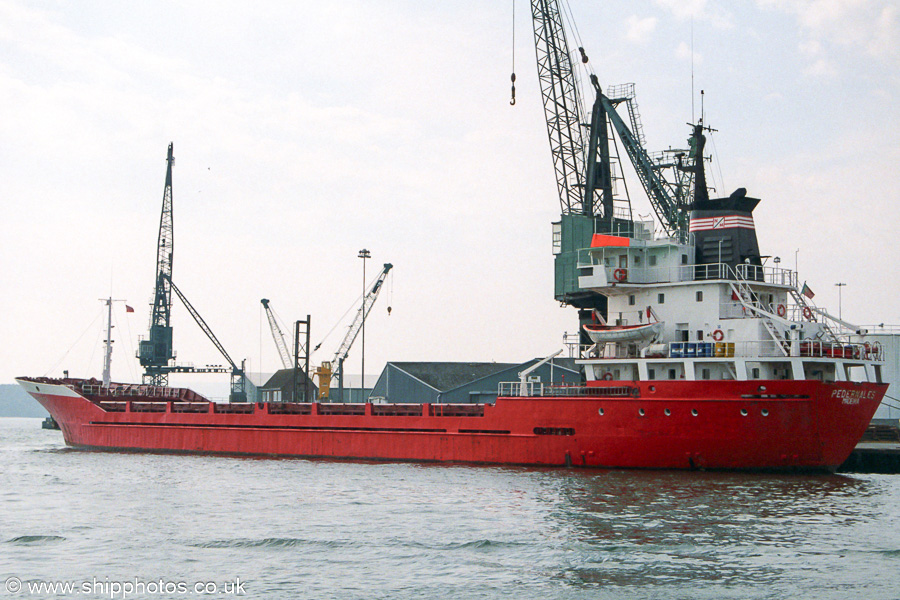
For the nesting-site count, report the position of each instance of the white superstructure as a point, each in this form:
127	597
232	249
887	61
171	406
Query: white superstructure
718	320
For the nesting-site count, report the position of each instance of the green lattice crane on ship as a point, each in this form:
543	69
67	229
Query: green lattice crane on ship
584	160
156	353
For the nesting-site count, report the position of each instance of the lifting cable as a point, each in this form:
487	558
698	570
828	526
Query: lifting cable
718	162
355	305
391	293
63	357
569	18
512	100
339	321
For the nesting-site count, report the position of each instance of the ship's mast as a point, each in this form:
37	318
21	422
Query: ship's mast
108	342
107	358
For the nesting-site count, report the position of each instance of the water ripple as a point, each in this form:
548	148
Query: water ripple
32	540
338	529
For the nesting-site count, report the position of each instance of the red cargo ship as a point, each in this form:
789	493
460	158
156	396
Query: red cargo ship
696	353
760	424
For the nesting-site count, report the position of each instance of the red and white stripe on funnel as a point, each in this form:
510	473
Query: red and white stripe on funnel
722	222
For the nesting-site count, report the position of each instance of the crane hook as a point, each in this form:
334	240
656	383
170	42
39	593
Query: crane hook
584	57
512	100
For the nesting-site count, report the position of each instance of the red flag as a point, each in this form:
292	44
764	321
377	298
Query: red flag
128	309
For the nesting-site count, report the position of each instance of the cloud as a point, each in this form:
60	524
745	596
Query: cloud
639	30
700	10
821	68
683	51
810	47
831	28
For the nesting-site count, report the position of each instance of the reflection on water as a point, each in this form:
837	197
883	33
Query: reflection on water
327	529
756	533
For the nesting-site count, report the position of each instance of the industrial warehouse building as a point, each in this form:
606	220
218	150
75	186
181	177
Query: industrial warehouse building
461	382
888	336
280	388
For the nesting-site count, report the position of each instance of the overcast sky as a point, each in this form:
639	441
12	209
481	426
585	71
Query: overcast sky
305	131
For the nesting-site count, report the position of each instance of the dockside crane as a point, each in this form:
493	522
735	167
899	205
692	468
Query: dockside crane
278	336
335	367
156	353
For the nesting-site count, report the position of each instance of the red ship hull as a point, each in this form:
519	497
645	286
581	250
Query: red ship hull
743	425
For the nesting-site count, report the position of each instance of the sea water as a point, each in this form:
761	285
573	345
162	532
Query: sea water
138	525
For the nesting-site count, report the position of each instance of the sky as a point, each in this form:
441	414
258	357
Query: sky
306	131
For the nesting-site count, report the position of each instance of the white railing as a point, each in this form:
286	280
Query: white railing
865	351
636	230
744	349
771	275
121	391
588	257
517	389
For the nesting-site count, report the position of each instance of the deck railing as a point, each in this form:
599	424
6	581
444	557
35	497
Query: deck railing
519	389
750	349
135	390
588	257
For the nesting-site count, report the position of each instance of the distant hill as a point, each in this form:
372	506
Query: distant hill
15	402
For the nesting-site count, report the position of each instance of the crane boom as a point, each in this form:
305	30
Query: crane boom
239	382
327	370
672	213
206	329
562	111
368	302
278	336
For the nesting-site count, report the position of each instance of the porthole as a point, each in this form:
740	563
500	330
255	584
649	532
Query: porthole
668	412
694	412
743	412
652	388
600	411
641	411
765	412
762	388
